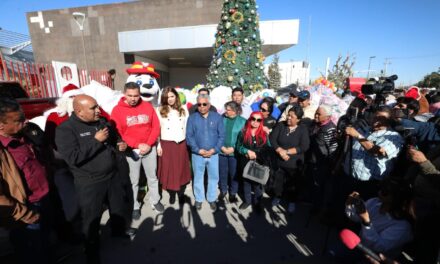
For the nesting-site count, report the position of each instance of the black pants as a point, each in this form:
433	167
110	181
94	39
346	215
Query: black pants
31	242
322	184
427	232
92	198
286	180
179	192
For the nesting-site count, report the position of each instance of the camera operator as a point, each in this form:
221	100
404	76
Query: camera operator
354	116
372	155
425	209
409	106
384	220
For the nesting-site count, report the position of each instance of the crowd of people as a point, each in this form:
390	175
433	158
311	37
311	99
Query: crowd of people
383	152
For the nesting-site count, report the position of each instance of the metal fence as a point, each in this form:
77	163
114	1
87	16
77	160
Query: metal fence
38	80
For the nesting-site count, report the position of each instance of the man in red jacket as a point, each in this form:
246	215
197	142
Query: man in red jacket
139	127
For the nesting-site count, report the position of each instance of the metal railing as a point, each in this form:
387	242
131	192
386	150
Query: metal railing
39	81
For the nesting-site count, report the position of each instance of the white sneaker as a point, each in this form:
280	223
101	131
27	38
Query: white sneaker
291	208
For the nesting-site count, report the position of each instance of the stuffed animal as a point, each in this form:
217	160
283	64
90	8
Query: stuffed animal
145	76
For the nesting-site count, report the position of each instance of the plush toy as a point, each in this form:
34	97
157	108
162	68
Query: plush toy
144	74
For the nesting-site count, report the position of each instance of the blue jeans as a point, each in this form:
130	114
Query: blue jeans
199	164
228	173
248	185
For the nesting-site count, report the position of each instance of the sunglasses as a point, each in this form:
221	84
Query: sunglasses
201	104
264	110
256	119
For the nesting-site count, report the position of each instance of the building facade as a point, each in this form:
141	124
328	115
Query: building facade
175	35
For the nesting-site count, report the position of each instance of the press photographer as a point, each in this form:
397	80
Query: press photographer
379	88
384	219
372	155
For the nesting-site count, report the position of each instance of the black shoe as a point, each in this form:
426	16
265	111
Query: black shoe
221	196
198	205
159	207
136	215
172	198
128	234
233	198
213	206
182	199
258	207
244	206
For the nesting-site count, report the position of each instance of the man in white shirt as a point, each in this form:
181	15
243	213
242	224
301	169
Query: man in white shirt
238	97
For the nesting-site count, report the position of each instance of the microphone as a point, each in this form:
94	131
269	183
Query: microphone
103	123
351	241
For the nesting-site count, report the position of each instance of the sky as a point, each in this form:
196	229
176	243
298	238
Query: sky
407	32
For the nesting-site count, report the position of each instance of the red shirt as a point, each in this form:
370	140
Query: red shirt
33	171
136	124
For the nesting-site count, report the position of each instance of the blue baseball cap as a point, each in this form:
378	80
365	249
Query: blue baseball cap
303	95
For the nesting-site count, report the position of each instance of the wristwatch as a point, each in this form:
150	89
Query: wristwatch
360	136
288	152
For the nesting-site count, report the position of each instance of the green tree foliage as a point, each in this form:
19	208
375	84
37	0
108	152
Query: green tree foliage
430	80
274	73
238	60
342	69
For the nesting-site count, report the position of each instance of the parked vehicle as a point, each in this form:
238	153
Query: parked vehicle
32	107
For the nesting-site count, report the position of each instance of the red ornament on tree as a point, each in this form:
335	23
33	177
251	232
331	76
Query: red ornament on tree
235	43
232	11
223	41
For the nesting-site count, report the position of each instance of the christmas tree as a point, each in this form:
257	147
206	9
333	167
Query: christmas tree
274	73
238	60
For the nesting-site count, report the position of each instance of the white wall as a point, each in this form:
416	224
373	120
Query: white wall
187	77
292	72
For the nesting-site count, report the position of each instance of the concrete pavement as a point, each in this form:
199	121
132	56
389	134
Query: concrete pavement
185	235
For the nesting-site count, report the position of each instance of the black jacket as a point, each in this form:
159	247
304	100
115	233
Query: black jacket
323	142
299	139
89	160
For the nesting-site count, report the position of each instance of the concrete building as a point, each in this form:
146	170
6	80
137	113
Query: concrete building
175	35
297	72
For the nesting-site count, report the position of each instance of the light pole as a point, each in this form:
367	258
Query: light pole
79	19
369	64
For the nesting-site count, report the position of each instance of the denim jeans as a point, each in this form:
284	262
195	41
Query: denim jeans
199	164
228	174
248	186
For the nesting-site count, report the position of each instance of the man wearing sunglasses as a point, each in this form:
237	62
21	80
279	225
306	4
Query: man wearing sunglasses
205	135
194	109
293	99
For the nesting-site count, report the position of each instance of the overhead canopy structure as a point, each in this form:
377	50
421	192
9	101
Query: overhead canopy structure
15	47
192	46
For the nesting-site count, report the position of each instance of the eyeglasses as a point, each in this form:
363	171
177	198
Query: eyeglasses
264	110
256	119
201	104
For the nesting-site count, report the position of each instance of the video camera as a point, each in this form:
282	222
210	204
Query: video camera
381	85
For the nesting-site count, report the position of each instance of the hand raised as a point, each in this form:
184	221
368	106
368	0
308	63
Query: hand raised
122	146
102	135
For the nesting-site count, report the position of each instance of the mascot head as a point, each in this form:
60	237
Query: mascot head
145	76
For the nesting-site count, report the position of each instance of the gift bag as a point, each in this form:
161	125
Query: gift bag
256	172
